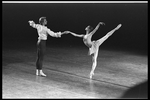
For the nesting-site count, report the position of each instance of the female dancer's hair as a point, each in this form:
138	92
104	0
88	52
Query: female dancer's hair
89	28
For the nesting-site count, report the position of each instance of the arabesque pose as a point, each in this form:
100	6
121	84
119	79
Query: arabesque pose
94	45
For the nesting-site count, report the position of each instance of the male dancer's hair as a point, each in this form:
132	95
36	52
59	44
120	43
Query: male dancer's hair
41	20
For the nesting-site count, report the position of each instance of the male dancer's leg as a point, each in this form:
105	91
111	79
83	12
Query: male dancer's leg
38	61
40	51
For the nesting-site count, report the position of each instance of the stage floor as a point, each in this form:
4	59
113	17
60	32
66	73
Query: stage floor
68	70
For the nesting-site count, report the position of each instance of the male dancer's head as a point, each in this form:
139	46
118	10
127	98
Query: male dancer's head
43	21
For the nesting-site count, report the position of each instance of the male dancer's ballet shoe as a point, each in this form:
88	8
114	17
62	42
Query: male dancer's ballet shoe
42	74
37	72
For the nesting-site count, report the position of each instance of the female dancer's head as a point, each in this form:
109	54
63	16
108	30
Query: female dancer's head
88	29
43	21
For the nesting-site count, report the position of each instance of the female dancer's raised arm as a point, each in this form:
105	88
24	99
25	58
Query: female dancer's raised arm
96	28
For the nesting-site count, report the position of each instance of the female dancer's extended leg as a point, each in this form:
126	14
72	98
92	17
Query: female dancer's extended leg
101	40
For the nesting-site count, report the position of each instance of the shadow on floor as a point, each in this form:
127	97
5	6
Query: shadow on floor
138	91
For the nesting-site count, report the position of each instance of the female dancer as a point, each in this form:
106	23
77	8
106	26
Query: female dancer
43	31
94	45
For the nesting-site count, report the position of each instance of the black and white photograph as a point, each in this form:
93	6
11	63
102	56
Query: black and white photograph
75	49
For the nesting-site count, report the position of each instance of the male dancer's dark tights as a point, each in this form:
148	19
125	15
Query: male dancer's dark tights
41	47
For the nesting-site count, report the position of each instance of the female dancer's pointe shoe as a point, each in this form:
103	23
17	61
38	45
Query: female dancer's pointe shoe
91	74
118	26
41	73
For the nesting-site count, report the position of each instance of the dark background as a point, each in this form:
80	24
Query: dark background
132	36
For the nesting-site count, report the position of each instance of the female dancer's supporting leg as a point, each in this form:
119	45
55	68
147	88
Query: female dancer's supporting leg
94	60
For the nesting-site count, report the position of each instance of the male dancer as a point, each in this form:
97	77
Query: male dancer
43	31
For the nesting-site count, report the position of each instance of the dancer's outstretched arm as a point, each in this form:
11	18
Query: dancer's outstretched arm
96	28
32	23
65	32
74	34
53	34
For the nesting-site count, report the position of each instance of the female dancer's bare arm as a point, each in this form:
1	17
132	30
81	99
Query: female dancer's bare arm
96	28
74	34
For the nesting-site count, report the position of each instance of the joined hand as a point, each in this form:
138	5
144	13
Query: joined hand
65	32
